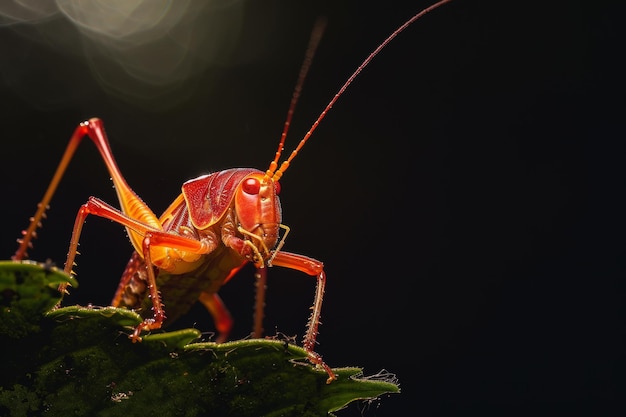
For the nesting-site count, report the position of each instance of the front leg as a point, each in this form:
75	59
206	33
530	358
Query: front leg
315	268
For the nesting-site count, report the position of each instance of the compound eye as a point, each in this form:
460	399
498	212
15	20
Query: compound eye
277	187
251	186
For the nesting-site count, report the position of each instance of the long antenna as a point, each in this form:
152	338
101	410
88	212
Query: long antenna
314	41
276	175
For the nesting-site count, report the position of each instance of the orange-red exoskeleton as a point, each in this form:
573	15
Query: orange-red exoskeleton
219	222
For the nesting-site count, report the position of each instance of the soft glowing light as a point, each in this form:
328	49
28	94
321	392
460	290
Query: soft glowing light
139	50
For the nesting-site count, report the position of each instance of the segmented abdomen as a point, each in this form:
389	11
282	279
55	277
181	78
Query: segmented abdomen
178	292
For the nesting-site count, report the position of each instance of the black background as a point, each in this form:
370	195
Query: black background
465	193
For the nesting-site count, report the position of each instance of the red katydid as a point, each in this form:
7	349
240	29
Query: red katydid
219	222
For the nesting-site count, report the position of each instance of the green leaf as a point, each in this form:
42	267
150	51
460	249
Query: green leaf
79	361
27	290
